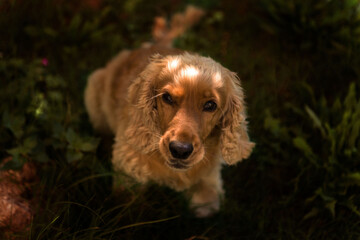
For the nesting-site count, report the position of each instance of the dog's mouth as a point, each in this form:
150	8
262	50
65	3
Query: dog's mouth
177	165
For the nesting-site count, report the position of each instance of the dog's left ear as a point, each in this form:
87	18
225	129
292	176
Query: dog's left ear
143	132
234	140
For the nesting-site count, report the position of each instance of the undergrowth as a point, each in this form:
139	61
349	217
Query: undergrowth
299	66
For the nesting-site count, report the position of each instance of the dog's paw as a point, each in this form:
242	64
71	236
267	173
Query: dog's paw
206	209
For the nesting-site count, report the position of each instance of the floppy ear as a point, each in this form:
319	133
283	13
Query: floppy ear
234	140
143	132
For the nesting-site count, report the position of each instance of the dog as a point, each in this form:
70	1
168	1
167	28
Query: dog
176	116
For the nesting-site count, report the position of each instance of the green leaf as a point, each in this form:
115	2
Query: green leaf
14	124
320	192
15	151
272	124
89	146
21	149
315	119
331	133
130	5
75	22
350	100
29	144
50	32
41	157
354	134
55	96
350	204
54	81
58	131
80	144
353	178
313	213
331	207
24	149
301	144
337	105
73	155
71	137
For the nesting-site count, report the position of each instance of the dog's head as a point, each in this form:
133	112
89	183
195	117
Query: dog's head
185	104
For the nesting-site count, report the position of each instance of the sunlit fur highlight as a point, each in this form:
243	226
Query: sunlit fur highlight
217	80
173	64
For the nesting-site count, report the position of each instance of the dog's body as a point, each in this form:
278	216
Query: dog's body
176	116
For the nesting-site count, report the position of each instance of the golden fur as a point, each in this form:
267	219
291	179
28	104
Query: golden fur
159	103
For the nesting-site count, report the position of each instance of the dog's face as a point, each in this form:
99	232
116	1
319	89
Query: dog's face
186	102
189	104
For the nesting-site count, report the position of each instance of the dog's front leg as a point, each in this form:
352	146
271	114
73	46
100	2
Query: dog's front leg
206	195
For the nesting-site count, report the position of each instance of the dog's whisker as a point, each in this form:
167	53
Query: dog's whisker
222	111
155	96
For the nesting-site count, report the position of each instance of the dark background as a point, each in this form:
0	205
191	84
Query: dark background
299	66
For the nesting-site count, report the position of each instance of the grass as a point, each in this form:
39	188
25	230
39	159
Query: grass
298	62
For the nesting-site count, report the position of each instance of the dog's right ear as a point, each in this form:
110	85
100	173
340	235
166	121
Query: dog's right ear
143	132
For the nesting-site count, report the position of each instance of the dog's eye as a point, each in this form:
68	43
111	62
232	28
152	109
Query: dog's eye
167	98
209	106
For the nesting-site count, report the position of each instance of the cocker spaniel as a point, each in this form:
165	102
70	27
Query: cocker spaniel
176	116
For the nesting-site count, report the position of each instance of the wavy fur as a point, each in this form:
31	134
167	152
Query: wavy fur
155	96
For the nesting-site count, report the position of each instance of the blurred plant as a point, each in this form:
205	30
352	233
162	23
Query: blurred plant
37	120
326	140
314	25
318	40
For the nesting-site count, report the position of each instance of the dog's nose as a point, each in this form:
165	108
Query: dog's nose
181	150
